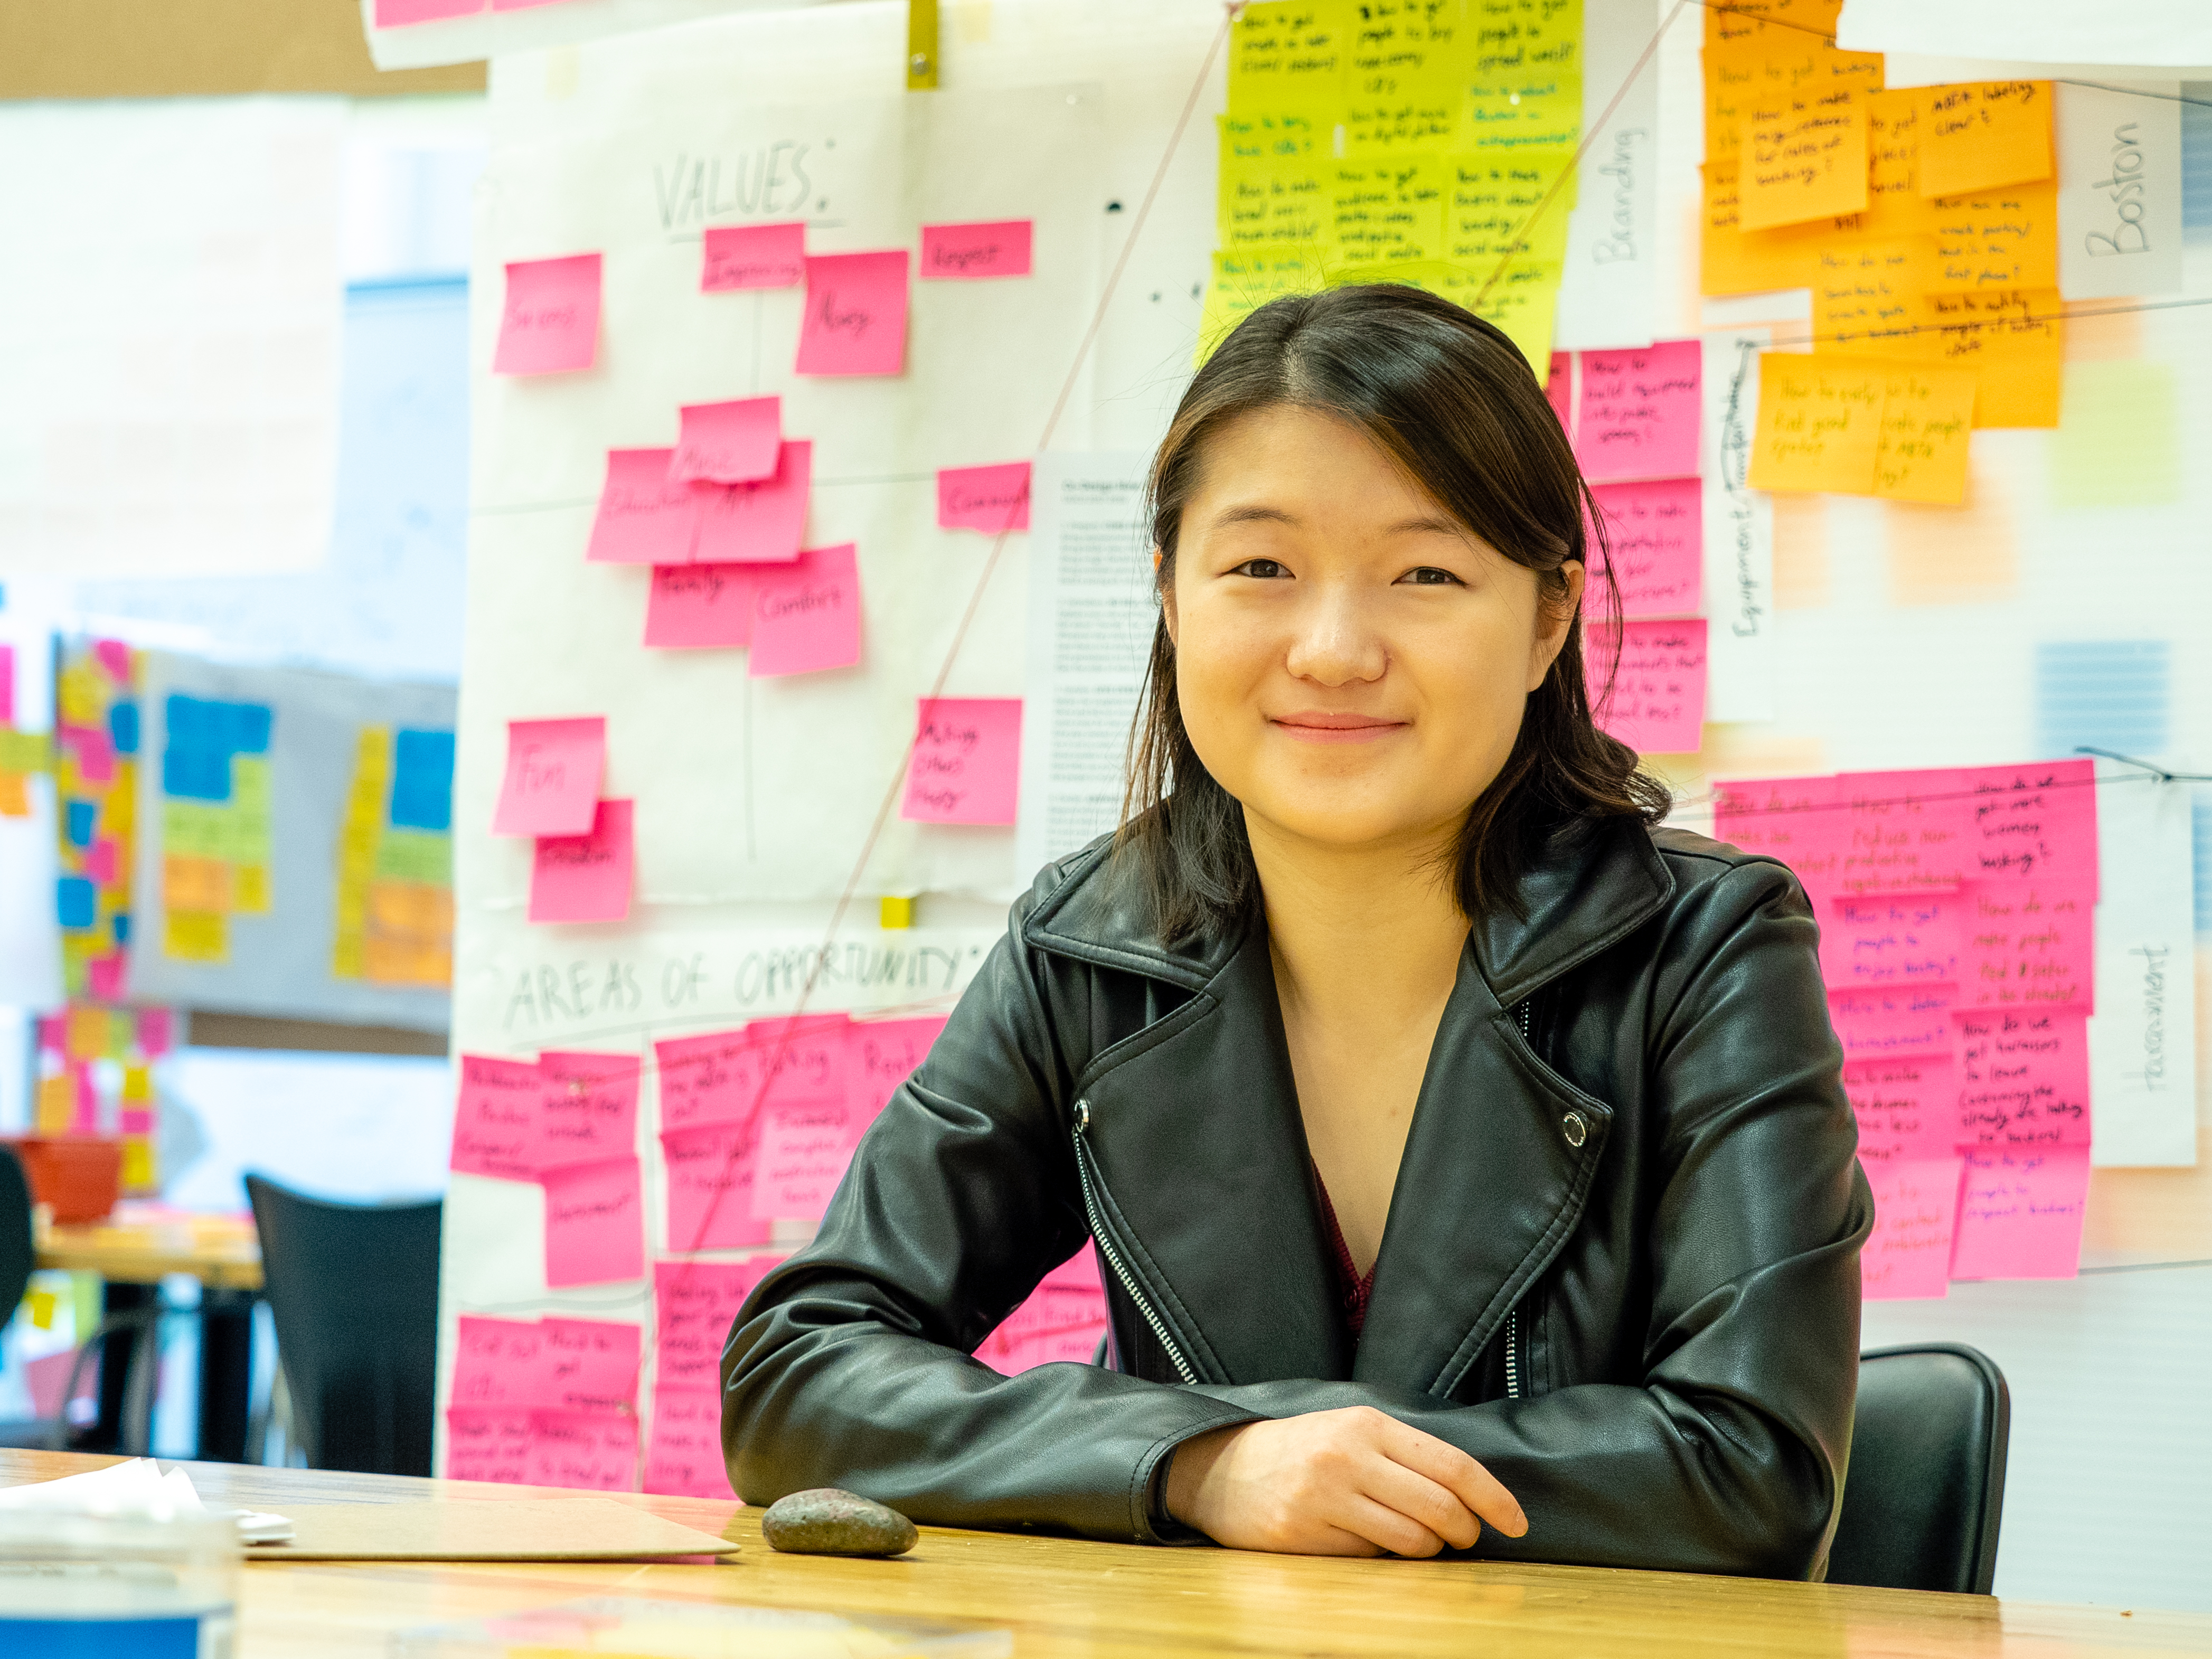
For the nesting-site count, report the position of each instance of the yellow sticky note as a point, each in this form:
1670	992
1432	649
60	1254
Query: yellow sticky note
1388	212
249	889
2015	343
2118	442
15	795
1505	205
1527	87
2005	240
77	688
1983	135
1522	304
1267	137
41	1305
57	1103
1394	126
1244	279
346	954
1267	203
1927	413
87	1036
1819	423
1288	55
196	936
1804	157
138	1170
137	1083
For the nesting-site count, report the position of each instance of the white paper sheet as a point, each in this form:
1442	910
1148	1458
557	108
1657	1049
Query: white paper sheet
2177	33
1739	536
1608	292
2119	190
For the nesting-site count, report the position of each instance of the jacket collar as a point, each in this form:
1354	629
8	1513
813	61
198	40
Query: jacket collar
1598	880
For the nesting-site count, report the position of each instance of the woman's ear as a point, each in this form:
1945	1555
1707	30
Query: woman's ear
1554	618
1166	590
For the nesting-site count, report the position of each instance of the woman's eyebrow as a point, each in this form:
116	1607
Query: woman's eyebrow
1254	513
1427	524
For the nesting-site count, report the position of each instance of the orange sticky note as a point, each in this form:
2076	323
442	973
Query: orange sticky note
1735	261
1895	206
1804	156
2005	239
1819	423
2015	343
1983	135
1867	296
1926	414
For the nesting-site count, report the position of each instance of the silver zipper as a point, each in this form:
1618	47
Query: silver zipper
1513	1314
1112	1256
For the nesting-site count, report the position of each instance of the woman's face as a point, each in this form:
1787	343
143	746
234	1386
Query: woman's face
1351	660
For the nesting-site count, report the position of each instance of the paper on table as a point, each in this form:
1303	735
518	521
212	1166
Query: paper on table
550	322
806	615
1639	412
2030	943
138	1487
589	1113
1000	247
728	443
588	1451
710	1186
700	606
1915	1205
966	760
754	256
696	1303
1655	699
1886	1024
1886	941
759	523
990	499
2024	1078
551	785
495	1123
2019	1213
1654	544
595	1224
684	1449
1906	1109
1983	135
585	878
855	321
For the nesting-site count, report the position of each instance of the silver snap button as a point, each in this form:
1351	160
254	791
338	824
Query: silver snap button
1082	1116
1572	1126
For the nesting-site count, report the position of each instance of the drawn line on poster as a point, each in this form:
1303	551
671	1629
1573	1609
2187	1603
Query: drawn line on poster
1850	802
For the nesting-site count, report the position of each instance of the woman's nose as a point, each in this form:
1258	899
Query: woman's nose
1334	641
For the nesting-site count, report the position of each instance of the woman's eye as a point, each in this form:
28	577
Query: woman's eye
1266	569
1429	575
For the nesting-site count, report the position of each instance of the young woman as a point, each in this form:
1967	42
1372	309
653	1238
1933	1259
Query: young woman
1468	1160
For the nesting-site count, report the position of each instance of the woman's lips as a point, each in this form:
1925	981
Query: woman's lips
1317	726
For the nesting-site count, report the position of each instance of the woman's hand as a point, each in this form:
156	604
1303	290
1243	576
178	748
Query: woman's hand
1350	1482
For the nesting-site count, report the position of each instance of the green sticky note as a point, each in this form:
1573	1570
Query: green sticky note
249	835
194	829
249	784
413	855
2118	442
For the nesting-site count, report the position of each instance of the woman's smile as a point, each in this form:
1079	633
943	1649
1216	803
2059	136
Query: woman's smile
1323	726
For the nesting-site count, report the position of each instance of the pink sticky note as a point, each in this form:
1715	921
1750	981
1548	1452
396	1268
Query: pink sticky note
716	1079
585	878
1559	389
495	1120
1916	1204
754	256
595	1224
855	321
2034	820
114	657
489	1443
967	756
521	5
96	752
500	1362
985	498
803	1057
53	1034
1902	831
590	1110
7	684
1639	412
1887	1024
2024	1078
1907	1108
1061	1320
700	606
734	442
2032	943
806	615
550	322
592	1364
804	1152
589	1451
997	247
1656	548
696	1303
1902	938
1656	703
102	860
710	1186
684	1453
153	1032
86	1120
1804	822
880	1056
644	517
554	769
104	977
759	523
397	14
136	1121
2019	1213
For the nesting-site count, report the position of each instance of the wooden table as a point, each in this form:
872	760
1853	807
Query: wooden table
1109	1600
221	1251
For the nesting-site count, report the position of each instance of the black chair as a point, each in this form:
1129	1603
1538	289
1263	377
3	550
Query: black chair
1925	1491
353	1290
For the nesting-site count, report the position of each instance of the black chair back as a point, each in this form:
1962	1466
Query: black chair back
353	1289
17	1254
1925	1489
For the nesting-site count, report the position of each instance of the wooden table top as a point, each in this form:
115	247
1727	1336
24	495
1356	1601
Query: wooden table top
1109	1600
220	1250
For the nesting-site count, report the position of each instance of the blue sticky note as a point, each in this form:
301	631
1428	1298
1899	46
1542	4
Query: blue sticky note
77	900
196	774
121	924
78	816
189	721
249	727
2114	695
123	727
422	780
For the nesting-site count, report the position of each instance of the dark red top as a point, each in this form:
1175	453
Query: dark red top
1350	1286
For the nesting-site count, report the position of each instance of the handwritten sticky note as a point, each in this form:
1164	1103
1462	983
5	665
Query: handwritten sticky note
1916	1204
734	442
1275	202
802	1057
1389	210
1926	415
595	1224
696	1302
760	523
584	878
1886	1024
1654	545
487	1444
644	517
700	606
2035	820
496	1119
856	319
684	1448
710	1186
1804	155
1907	1108
1559	389
2031	943
1983	135
967	756
589	1365
1867	296
2015	342
2019	1213
2024	1078
1819	423
985	498
2000	239
1000	247
1899	939
1639	412
589	1113
806	614
1287	56
551	785
804	1152
589	1451
551	321
880	1056
500	1362
716	1079
1647	683
753	256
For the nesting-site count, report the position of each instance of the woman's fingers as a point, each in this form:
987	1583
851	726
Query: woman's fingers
1474	1487
1432	1506
1387	1528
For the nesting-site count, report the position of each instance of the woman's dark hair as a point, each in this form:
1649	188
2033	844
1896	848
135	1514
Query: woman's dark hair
1452	400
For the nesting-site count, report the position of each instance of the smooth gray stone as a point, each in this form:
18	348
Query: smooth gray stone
825	1521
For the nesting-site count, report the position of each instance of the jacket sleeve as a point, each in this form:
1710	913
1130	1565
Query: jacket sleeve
850	1365
1729	1457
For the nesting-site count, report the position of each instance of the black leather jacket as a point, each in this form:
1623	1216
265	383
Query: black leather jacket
1620	1266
